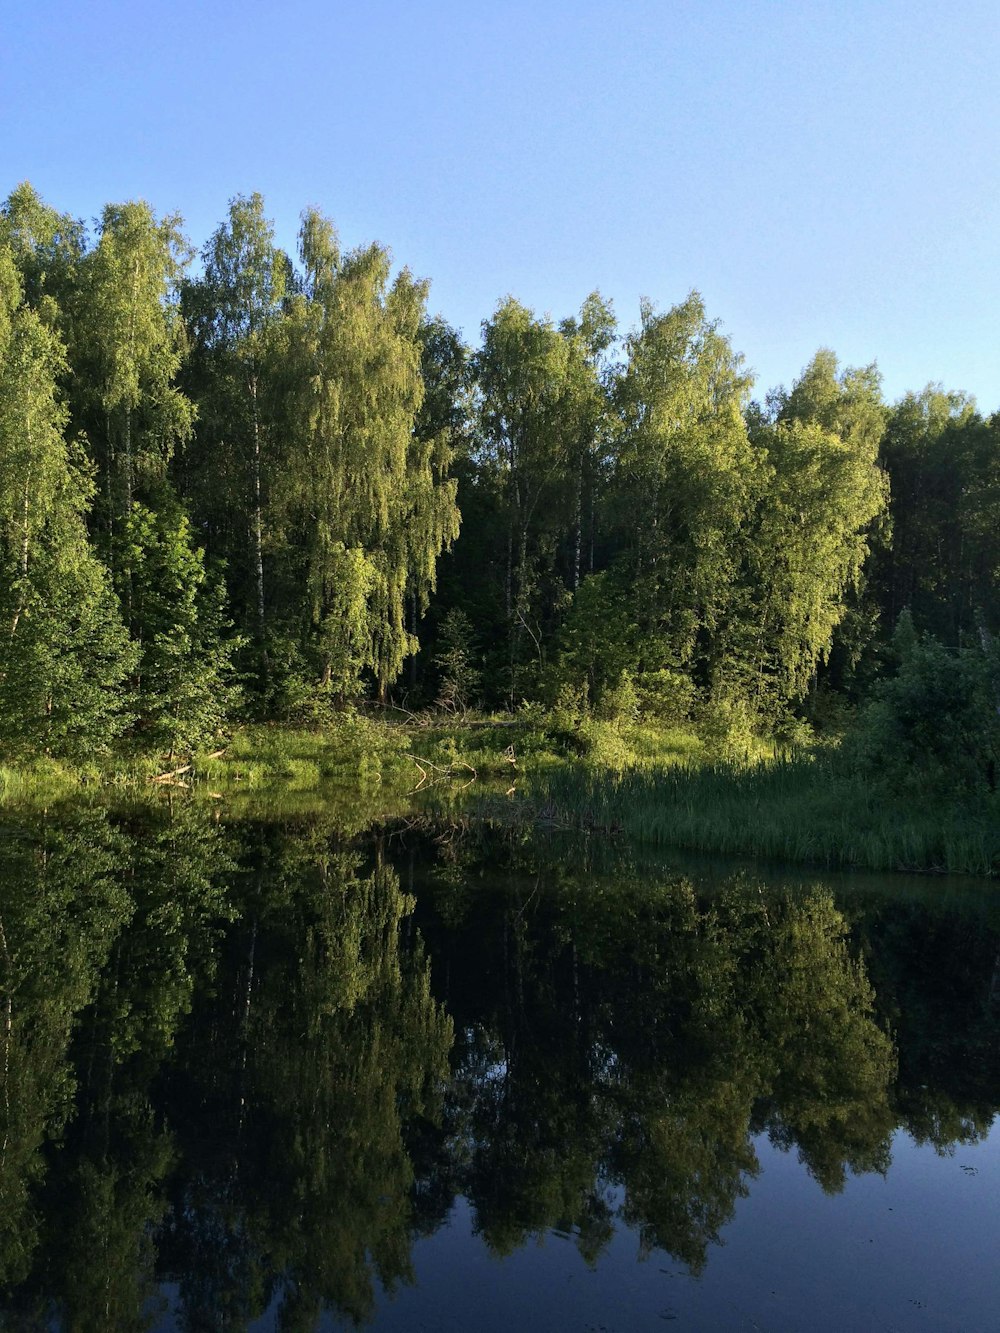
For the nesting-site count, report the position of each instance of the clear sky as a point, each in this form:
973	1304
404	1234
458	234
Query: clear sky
824	173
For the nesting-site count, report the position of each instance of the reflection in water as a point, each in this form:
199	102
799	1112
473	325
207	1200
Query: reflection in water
633	1036
242	1061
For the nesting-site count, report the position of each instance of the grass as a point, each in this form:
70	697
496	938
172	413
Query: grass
41	781
658	786
793	809
353	752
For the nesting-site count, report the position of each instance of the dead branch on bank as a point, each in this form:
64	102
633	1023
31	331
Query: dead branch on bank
442	771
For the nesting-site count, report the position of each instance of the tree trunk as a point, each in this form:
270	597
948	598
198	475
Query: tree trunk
258	526
578	534
24	548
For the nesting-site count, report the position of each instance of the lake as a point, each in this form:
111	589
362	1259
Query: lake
257	1074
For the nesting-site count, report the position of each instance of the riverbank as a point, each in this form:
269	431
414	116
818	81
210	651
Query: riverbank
804	809
661	786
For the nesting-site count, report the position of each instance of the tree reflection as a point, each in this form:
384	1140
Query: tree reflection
139	905
225	1067
54	941
635	1036
296	1180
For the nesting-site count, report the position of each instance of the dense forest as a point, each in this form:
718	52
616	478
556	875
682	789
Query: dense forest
241	484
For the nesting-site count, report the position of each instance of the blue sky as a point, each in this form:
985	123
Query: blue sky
825	174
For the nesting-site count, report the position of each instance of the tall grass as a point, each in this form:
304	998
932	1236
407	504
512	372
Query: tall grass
804	808
40	782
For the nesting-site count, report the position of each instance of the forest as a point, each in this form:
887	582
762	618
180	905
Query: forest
239	484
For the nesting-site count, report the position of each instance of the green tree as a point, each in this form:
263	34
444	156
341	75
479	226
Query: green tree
592	337
933	727
820	495
367	505
126	347
232	310
47	248
184	681
540	407
943	461
64	653
684	473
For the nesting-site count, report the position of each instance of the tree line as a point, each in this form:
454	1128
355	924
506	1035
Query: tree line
263	484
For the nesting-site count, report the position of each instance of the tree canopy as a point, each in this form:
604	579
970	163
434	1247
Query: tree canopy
246	467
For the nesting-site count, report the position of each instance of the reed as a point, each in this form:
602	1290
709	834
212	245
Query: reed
802	808
40	782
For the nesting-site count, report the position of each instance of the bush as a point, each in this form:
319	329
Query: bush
620	704
934	725
726	728
665	696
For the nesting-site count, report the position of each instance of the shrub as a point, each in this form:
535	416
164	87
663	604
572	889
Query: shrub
934	725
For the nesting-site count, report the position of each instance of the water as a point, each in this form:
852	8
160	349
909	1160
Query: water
254	1075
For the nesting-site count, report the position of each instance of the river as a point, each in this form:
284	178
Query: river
257	1074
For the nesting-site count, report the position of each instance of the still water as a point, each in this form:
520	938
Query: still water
257	1075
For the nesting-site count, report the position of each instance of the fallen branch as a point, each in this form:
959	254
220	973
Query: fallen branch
174	773
445	772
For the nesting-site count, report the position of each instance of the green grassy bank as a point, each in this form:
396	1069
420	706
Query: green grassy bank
800	809
665	787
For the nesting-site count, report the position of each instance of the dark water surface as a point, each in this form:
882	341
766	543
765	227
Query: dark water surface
254	1075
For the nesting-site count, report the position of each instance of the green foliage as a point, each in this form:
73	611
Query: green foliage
541	408
232	311
597	641
944	464
643	546
64	671
684	470
307	475
64	653
820	494
665	696
126	341
933	727
726	728
455	660
185	685
621	703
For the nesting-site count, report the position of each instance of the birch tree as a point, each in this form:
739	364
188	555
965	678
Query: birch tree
233	310
126	349
368	504
64	652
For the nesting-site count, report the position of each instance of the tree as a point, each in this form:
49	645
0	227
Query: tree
47	248
365	500
64	652
540	409
818	508
232	310
126	347
933	727
819	496
592	374
683	477
184	678
943	462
